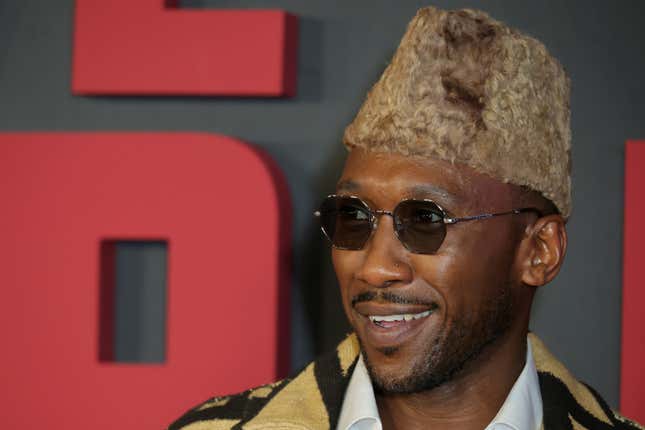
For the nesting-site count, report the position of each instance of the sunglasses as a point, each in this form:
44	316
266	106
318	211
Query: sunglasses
420	225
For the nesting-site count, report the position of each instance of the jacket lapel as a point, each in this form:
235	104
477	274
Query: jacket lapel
312	400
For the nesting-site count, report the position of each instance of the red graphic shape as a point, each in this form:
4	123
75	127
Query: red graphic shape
221	207
632	383
143	47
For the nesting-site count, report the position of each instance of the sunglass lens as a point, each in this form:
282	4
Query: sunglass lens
420	226
345	221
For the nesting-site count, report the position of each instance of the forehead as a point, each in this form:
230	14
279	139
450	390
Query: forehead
389	177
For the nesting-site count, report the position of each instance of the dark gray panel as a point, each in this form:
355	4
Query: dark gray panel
140	302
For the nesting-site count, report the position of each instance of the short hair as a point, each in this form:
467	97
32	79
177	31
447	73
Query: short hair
466	88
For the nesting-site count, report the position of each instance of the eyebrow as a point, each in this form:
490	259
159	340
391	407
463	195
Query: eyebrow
347	185
442	194
417	191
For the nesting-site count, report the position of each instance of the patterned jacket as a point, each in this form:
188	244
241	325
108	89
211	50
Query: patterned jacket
312	399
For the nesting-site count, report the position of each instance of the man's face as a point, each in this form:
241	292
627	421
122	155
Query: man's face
467	285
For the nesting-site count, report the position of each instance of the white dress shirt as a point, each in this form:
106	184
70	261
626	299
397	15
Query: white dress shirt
522	409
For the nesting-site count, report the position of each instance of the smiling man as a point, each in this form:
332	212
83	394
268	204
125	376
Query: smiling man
449	214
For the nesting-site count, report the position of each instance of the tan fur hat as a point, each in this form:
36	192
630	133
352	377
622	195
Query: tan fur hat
465	88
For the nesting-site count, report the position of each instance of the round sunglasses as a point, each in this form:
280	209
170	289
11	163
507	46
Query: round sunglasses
420	225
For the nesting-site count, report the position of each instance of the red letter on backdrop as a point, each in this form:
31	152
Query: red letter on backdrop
142	47
220	206
632	384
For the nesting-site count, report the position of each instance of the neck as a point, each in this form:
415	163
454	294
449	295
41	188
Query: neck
470	400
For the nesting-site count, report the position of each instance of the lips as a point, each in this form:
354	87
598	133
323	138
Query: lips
390	324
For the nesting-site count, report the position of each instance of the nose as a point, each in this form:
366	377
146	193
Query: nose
384	262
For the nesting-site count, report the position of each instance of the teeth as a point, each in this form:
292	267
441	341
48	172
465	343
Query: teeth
421	314
388	318
400	317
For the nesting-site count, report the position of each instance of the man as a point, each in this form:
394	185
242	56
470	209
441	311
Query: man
449	213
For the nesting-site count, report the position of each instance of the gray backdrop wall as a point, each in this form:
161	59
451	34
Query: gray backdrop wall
344	45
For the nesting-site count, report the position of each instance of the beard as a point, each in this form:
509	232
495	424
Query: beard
450	352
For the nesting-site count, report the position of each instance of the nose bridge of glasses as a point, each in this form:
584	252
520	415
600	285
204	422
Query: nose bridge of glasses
375	215
382	212
388	230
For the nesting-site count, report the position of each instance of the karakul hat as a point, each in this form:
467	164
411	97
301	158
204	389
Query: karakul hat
466	88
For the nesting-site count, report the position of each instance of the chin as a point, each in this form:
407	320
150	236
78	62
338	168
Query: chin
394	371
407	370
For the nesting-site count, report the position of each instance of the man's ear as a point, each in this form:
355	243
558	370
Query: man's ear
544	247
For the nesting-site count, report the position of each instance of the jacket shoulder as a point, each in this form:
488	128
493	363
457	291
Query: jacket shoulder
311	399
228	412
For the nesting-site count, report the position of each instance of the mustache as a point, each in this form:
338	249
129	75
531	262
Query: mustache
390	297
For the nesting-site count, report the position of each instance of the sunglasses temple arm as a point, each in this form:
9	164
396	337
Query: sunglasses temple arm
470	218
485	216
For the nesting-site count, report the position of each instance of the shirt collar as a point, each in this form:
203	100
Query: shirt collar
359	410
522	409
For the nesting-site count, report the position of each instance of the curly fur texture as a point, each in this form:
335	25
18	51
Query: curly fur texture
466	88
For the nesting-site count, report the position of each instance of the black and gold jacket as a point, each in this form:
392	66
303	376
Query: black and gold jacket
313	398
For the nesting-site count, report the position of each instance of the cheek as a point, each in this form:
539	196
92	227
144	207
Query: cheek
343	262
484	247
469	270
346	264
493	262
445	275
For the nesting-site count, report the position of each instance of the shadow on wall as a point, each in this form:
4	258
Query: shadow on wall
319	285
317	318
